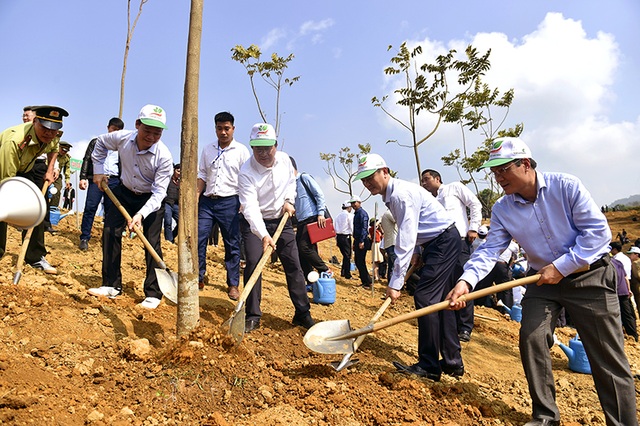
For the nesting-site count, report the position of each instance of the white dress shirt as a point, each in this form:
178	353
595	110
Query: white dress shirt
455	197
390	229
219	168
142	172
626	263
343	223
264	190
420	219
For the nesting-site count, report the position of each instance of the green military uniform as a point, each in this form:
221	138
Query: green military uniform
63	163
19	149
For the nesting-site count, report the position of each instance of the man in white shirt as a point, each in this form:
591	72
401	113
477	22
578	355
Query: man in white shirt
219	202
267	189
390	230
146	166
343	225
456	199
423	226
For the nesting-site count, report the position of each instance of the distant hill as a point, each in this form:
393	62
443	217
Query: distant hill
633	200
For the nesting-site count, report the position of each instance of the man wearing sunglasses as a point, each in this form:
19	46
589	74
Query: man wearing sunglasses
566	238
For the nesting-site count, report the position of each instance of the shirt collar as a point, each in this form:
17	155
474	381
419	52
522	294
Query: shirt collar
541	183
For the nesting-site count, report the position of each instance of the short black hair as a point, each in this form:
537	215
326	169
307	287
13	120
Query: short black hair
432	173
293	162
223	117
615	245
116	122
176	166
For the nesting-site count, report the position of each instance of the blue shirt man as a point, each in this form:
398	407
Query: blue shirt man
361	241
567	242
310	208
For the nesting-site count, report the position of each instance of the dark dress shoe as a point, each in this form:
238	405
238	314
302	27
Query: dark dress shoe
250	325
416	370
200	285
543	422
304	321
233	293
464	336
452	370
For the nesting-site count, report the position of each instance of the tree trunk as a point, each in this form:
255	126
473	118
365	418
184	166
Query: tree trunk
188	303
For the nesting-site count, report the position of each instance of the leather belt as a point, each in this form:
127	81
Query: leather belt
595	265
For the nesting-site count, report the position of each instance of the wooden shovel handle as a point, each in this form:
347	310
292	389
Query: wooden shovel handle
263	260
27	236
148	246
445	304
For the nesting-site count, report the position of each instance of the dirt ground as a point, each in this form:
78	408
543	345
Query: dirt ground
67	358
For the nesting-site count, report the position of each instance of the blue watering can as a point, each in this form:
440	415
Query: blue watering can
578	360
515	312
55	216
324	289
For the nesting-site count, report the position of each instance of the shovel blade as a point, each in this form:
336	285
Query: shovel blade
345	363
236	324
168	283
316	337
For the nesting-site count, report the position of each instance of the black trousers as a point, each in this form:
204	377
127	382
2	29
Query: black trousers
360	257
438	333
343	241
308	253
628	316
114	225
288	253
36	248
464	317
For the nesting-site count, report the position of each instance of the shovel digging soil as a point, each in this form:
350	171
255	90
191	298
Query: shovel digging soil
337	337
167	279
346	360
236	321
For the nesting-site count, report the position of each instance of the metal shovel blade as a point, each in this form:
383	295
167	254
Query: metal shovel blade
317	337
168	283
346	362
236	324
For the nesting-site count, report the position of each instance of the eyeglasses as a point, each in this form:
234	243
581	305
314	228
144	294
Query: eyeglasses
262	149
502	170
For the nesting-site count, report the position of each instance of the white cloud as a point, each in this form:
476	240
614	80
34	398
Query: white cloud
272	38
563	81
310	27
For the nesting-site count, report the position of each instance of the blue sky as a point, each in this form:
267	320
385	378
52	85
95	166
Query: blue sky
573	66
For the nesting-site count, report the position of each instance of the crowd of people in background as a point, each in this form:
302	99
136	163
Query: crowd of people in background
430	236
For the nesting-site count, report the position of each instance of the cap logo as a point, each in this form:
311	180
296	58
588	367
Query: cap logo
262	130
54	114
497	146
363	161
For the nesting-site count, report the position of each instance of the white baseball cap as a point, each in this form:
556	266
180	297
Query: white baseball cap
505	150
262	134
634	249
355	199
368	164
483	230
154	116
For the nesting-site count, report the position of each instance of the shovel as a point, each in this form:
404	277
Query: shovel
346	360
236	321
25	242
337	337
167	279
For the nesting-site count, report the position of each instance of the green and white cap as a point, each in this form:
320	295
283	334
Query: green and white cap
154	116
505	150
368	164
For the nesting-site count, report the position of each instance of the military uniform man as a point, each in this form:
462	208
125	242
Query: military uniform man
64	161
20	146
